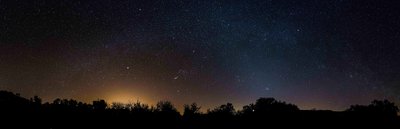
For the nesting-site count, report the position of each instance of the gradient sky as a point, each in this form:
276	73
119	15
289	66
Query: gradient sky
323	54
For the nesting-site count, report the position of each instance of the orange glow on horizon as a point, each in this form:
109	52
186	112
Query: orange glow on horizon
125	94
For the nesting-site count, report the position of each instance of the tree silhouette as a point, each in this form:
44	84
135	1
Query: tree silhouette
265	105
384	107
167	109
248	109
191	110
69	113
99	105
140	108
36	100
223	110
165	106
118	106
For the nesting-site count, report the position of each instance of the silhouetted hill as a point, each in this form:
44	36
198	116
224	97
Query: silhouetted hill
19	112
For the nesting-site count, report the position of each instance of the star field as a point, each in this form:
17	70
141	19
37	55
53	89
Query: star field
316	54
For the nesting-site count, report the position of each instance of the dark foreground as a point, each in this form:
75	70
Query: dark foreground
18	112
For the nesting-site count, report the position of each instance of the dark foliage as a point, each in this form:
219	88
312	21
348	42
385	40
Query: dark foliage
19	112
269	105
190	111
377	107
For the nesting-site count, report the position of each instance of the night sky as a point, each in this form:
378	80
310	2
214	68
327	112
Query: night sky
323	54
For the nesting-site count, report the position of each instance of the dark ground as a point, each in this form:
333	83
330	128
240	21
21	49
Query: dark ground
18	112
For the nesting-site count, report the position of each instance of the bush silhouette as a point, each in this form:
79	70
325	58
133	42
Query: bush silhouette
383	107
69	113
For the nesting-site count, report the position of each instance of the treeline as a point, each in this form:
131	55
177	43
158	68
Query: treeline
69	113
